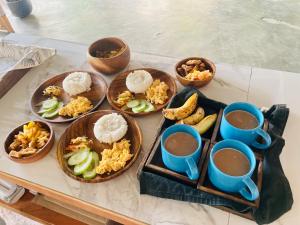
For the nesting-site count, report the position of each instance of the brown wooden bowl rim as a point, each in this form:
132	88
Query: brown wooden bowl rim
33	156
126	47
117	173
211	64
73	118
111	103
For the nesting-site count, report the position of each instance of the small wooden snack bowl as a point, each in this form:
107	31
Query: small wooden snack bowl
118	85
40	153
96	95
113	64
195	83
83	126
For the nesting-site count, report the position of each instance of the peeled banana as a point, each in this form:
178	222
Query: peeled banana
206	123
194	118
184	111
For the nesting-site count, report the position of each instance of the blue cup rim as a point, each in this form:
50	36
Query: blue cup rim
261	122
229	142
193	130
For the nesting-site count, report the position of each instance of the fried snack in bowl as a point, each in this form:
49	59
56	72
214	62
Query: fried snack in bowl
29	142
195	71
53	91
123	98
79	143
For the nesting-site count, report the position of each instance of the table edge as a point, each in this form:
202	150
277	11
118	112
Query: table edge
67	199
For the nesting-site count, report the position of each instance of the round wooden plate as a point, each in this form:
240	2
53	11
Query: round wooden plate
83	126
40	153
96	95
118	85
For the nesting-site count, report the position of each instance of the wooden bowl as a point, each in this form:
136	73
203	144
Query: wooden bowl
84	127
195	83
118	85
96	95
113	64
40	153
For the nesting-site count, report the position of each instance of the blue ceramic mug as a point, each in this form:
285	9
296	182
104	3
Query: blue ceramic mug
182	164
235	184
248	136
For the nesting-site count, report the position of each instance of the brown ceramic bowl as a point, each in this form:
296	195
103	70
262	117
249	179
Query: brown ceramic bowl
40	153
196	83
113	64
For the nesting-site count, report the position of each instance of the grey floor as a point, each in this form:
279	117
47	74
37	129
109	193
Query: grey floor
261	33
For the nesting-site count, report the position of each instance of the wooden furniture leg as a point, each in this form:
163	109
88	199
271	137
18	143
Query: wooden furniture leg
4	22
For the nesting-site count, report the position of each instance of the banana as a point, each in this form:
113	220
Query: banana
182	112
194	118
206	123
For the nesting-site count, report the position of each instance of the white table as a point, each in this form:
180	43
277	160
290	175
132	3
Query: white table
119	198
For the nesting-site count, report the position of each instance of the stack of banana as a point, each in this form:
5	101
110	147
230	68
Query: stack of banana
184	115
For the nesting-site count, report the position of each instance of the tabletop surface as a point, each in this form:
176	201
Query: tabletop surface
121	195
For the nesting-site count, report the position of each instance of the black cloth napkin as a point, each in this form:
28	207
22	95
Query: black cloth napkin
276	196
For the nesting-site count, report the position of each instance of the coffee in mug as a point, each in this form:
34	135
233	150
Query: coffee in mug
181	147
181	143
232	162
244	122
242	119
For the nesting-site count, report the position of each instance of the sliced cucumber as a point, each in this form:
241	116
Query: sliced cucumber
149	107
133	103
42	110
68	155
90	174
50	103
78	157
140	108
84	166
53	113
95	159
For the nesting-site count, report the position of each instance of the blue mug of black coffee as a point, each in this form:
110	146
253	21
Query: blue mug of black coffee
231	165
243	121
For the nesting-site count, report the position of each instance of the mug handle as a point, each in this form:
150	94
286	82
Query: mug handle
192	171
250	192
266	138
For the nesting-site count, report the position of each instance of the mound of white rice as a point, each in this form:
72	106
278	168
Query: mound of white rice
138	81
110	128
77	82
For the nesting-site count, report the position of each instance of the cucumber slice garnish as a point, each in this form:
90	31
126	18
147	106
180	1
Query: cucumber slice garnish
84	166
50	103
42	110
53	113
149	107
90	174
78	157
95	159
133	103
140	108
68	155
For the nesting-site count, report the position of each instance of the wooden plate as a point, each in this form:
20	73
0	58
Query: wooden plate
83	126
96	95
118	85
40	153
